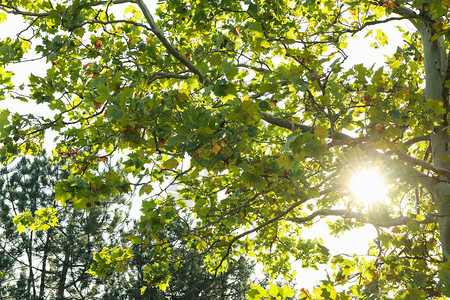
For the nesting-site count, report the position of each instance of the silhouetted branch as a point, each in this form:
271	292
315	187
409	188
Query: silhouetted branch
379	222
304	128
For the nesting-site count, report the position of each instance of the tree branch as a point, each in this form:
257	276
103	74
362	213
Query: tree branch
112	2
171	49
114	22
411	15
257	69
377	22
266	223
381	89
359	217
349	142
160	75
304	128
340	139
417	140
421	163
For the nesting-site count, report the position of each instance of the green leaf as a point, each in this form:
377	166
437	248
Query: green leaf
61	195
290	139
321	132
177	139
170	164
378	78
201	245
220	88
4	114
436	105
413	226
133	239
361	72
206	131
256	29
146	189
257	293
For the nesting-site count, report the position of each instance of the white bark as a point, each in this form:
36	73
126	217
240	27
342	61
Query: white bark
435	71
436	64
441	192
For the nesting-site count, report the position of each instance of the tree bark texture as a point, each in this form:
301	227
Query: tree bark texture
435	73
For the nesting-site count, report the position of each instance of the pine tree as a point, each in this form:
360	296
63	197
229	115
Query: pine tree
50	264
189	281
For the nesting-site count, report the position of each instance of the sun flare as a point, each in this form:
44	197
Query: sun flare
368	186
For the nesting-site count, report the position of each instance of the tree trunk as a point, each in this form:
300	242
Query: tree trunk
65	266
44	265
441	194
442	197
436	64
31	282
62	279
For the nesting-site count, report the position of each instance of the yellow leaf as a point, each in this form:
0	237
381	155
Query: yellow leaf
163	286
44	227
21	228
263	43
132	41
183	95
288	292
2	17
420	218
290	3
215	147
200	246
143	290
246	98
274	290
193	83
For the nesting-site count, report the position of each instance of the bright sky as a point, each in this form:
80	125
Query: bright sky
355	241
359	51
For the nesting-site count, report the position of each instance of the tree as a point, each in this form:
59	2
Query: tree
189	281
50	259
251	108
51	262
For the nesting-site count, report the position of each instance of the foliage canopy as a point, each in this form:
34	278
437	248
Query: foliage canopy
254	109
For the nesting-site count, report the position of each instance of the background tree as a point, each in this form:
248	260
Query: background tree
52	263
49	263
189	281
252	107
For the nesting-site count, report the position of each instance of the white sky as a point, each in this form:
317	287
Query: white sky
359	51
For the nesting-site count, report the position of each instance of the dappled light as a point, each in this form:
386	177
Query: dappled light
234	128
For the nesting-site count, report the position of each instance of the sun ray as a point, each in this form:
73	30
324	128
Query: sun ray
368	186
